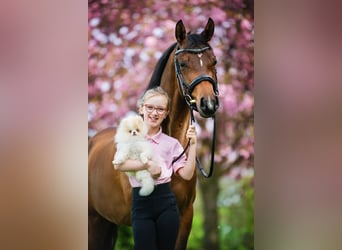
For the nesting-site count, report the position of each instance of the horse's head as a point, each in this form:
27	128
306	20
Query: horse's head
195	68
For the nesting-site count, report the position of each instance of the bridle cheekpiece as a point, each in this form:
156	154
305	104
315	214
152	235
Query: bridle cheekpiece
188	88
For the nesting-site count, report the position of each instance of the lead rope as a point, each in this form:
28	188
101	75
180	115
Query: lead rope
199	165
192	119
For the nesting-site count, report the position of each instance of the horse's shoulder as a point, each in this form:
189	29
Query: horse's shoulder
103	137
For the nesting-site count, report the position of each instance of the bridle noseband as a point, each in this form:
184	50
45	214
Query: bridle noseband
188	88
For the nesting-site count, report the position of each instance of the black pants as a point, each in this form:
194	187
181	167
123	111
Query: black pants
155	219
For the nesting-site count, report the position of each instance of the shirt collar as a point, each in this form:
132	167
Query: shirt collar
156	137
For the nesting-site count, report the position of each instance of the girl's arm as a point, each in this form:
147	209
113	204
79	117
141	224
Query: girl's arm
135	165
188	170
130	165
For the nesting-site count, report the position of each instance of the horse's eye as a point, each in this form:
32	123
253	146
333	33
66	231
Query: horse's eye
215	62
182	64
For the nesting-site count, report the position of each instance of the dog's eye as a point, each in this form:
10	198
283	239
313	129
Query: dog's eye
130	130
138	130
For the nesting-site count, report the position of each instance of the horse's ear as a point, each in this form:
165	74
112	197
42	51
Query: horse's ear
208	31
180	32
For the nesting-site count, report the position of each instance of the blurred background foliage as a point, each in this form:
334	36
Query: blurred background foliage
125	40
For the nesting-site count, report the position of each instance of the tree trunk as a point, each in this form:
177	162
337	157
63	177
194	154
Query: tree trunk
210	190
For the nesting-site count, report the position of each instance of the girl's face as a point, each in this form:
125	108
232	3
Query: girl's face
154	111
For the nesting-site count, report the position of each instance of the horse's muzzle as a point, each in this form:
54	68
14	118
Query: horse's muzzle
208	106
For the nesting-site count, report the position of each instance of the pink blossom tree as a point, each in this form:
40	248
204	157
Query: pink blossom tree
126	38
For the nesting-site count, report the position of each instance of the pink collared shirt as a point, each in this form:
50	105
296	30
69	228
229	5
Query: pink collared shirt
167	148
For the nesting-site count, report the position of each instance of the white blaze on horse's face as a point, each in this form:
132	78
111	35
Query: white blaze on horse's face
200	55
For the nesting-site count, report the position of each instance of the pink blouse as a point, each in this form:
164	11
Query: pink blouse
167	148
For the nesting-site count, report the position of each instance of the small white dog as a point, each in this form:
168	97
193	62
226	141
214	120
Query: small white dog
131	144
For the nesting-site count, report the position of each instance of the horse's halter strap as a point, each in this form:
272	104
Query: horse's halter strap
188	88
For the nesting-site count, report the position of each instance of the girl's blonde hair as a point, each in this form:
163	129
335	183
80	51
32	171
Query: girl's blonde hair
153	92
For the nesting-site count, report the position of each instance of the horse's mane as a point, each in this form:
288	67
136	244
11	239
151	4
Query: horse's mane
156	79
159	69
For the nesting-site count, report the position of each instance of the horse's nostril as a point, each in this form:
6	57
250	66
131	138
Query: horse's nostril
203	101
216	103
209	105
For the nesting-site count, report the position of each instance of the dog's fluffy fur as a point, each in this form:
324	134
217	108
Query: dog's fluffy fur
131	144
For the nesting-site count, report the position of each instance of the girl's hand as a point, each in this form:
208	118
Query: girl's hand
154	169
192	135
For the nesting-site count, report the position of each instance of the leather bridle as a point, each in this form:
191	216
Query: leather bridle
186	90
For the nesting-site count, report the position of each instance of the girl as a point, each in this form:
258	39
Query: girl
155	218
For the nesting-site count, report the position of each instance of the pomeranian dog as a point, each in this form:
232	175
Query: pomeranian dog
131	144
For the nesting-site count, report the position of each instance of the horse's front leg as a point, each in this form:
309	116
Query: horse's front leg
186	216
101	233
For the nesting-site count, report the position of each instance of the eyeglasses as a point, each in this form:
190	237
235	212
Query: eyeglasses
150	108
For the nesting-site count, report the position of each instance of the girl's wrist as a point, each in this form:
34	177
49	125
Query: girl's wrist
192	142
148	165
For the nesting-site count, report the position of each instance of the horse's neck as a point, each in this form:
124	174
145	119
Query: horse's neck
179	122
179	118
179	111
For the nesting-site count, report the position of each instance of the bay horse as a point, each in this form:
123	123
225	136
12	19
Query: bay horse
186	71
